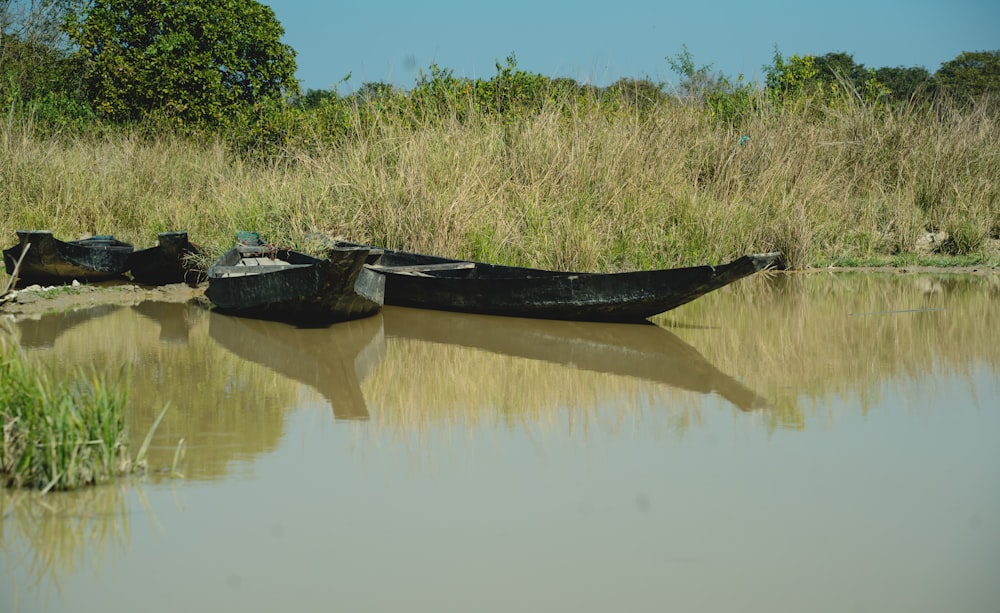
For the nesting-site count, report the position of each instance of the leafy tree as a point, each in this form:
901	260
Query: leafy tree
315	98
793	75
33	50
837	67
375	91
827	79
904	83
570	88
206	62
637	93
439	93
511	91
971	74
695	82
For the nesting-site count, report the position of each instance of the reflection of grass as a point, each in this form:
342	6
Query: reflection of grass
800	339
58	534
224	407
59	434
796	340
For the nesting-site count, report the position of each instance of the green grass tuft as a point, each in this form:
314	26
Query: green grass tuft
60	435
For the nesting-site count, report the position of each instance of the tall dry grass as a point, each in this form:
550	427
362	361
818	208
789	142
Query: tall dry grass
586	188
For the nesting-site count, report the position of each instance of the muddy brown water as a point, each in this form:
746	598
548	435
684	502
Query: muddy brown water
822	442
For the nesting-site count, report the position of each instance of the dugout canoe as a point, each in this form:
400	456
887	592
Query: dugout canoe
52	261
171	260
267	282
432	282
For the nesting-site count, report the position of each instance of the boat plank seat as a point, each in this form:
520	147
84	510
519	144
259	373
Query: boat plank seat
419	268
262	261
254	269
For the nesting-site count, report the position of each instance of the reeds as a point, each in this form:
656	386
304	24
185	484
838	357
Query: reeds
60	434
224	408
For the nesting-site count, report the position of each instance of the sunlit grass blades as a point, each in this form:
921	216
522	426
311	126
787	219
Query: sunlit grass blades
60	435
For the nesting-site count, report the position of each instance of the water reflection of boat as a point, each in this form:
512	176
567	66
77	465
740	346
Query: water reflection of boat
172	318
42	332
331	360
646	352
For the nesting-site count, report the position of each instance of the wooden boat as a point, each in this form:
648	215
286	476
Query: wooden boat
644	351
266	282
171	260
52	261
431	282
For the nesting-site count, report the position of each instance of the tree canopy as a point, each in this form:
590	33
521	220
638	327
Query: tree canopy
971	74
192	64
190	61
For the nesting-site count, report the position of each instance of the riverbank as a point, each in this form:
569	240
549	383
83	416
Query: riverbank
37	300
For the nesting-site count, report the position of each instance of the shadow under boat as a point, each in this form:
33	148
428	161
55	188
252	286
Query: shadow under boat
644	351
333	360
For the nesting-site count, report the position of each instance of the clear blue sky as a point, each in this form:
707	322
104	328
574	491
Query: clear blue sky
600	42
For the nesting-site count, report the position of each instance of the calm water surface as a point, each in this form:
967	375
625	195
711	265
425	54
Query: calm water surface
793	443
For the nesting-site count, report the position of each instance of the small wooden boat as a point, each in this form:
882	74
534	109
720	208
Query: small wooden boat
431	282
266	282
171	260
51	261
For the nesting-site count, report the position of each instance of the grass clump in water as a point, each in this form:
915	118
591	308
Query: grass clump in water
60	435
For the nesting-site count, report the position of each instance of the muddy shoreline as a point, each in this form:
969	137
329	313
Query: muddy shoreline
38	300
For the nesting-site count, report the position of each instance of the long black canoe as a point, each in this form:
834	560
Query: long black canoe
265	282
432	282
171	260
50	260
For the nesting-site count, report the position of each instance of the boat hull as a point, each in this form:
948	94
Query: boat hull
431	282
52	261
307	291
171	260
